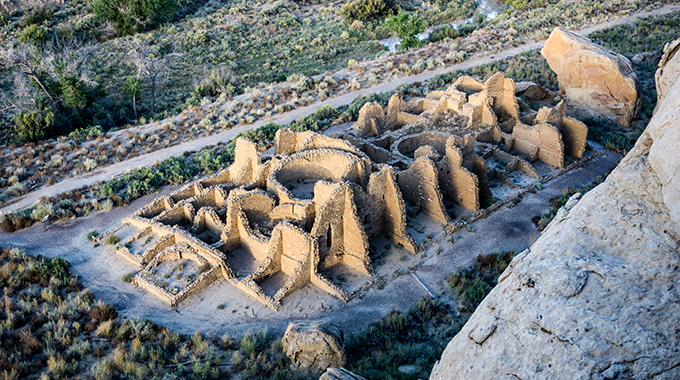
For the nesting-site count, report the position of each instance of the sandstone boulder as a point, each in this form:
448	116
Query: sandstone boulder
597	82
598	294
339	374
314	346
652	57
531	91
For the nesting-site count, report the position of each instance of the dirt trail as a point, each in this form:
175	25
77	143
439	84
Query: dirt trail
108	172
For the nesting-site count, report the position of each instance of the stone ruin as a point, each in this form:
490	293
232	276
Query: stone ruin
270	224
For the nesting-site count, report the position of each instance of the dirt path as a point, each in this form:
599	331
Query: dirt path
108	172
101	269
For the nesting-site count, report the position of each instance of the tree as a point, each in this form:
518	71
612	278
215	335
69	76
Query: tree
28	62
132	16
52	86
151	61
131	89
365	10
32	126
406	27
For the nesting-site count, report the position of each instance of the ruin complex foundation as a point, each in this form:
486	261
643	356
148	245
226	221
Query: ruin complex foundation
271	224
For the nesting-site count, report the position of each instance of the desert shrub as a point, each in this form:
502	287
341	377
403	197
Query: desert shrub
365	10
415	336
103	312
88	133
112	239
406	26
450	32
37	15
474	294
33	126
133	16
6	224
219	82
527	4
92	234
608	134
287	21
474	283
34	34
90	164
107	205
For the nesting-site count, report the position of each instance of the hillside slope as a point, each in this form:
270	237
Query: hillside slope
598	295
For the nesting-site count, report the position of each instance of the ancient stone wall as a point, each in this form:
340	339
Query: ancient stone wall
317	203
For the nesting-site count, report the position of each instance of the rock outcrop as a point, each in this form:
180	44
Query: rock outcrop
652	57
339	374
314	346
596	81
598	295
531	91
668	71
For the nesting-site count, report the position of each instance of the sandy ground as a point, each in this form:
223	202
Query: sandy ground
101	269
108	172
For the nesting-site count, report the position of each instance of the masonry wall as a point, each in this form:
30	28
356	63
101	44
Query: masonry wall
551	149
458	183
420	185
385	191
574	134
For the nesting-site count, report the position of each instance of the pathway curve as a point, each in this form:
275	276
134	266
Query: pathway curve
108	172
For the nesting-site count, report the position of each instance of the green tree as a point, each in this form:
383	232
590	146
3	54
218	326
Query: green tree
365	10
32	126
132	16
131	89
406	27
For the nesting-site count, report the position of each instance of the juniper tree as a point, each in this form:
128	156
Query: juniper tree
133	16
151	61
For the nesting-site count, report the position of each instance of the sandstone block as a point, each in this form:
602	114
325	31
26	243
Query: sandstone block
531	91
314	346
596	81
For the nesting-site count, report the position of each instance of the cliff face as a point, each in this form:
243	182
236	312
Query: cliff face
598	295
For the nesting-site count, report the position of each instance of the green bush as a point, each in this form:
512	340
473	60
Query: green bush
415	336
34	35
92	234
37	15
219	82
89	133
33	126
406	27
527	4
474	294
365	10
112	239
474	283
450	32
133	16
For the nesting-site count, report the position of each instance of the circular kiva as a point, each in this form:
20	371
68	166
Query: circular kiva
408	145
329	165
